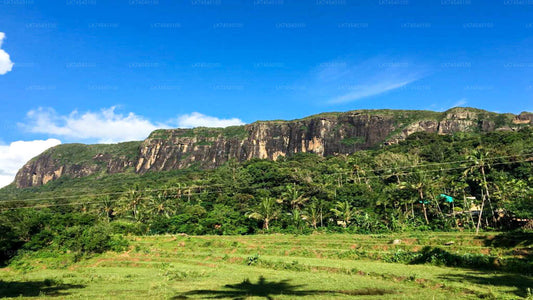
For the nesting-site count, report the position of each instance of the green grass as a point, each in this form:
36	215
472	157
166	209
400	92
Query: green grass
353	141
81	153
160	134
203	143
238	132
262	266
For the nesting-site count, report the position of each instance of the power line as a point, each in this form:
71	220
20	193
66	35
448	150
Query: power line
435	170
115	193
94	202
208	192
185	188
443	163
336	173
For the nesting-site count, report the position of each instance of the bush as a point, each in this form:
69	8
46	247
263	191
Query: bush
9	243
40	240
97	239
82	239
124	227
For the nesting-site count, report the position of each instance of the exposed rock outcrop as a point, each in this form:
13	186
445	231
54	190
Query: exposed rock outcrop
77	160
524	118
323	134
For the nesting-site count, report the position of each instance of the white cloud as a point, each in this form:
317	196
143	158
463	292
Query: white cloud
108	126
197	119
16	154
5	61
105	126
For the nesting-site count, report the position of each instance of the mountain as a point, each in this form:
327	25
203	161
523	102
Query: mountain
324	134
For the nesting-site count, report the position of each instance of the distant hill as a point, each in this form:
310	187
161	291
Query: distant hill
206	148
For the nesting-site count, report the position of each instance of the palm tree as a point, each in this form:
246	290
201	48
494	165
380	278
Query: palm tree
183	190
510	189
106	209
344	212
478	159
133	199
266	211
160	204
297	218
359	162
293	196
312	214
419	182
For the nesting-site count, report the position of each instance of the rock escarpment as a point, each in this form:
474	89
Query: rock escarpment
327	135
324	134
77	160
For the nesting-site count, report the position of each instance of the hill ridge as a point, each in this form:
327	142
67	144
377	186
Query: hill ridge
324	134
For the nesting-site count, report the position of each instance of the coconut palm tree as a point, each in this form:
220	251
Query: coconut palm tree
477	170
106	208
160	203
419	182
344	212
266	211
133	198
312	214
293	196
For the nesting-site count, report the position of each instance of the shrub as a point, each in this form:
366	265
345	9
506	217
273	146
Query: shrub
124	227
9	243
252	260
40	240
98	239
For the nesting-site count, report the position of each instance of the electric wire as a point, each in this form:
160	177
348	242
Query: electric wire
186	194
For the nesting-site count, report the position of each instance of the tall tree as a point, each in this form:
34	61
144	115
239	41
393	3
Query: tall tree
344	212
266	211
133	198
293	196
477	170
312	214
161	204
420	182
106	208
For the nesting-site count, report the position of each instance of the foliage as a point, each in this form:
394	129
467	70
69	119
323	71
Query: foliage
80	153
45	230
353	141
390	189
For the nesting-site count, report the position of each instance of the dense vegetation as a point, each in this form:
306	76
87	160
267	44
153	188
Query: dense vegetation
391	189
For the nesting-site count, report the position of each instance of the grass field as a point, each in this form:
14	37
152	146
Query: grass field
319	266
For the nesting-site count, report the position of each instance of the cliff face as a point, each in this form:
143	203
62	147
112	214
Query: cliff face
77	160
328	135
324	134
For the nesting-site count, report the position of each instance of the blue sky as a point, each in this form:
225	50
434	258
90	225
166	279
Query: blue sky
107	71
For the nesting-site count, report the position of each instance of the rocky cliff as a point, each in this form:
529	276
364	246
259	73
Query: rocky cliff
323	134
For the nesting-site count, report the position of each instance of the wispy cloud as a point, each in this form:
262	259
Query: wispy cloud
368	90
460	102
343	81
109	126
5	61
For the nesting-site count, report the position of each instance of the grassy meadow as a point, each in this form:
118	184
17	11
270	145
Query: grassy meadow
277	266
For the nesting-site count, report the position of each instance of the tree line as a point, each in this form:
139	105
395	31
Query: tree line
402	187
